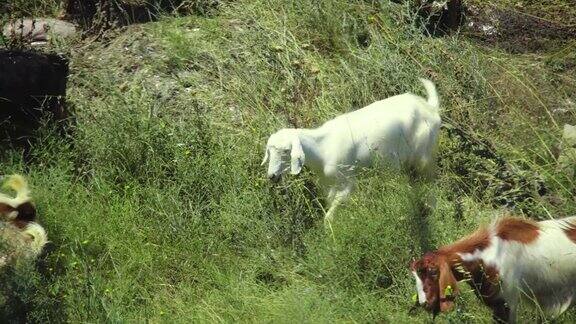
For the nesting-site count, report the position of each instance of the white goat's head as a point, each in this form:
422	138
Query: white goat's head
284	151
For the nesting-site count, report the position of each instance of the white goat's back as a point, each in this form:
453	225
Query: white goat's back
402	128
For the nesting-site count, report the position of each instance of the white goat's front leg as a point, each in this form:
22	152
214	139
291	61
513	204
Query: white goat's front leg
340	195
331	195
330	188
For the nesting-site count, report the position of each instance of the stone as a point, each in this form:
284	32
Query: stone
38	30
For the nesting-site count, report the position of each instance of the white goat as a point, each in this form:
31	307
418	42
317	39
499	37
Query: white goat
400	130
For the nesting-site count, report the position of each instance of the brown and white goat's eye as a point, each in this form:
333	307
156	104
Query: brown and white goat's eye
433	271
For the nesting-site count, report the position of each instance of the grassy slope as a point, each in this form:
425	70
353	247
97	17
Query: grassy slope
161	211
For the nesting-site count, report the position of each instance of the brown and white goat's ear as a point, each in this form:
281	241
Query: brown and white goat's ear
296	156
448	287
265	158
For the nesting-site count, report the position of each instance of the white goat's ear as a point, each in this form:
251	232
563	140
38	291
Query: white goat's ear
296	156
265	158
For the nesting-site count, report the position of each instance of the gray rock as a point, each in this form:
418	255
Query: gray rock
38	30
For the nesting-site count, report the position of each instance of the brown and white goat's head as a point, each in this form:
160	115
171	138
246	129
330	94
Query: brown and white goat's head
435	283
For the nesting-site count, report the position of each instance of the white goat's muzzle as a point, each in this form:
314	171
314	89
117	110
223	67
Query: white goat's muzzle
275	167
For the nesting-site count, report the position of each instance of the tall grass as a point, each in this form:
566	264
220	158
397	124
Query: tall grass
158	209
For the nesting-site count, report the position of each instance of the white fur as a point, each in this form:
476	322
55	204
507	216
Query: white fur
420	289
400	130
36	237
543	271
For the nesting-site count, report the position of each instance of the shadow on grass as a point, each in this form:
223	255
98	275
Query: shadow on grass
301	207
24	293
423	209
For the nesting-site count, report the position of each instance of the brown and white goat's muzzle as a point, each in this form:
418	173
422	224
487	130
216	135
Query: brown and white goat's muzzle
427	287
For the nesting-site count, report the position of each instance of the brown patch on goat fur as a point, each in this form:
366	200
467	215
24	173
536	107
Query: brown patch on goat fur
517	229
570	231
478	240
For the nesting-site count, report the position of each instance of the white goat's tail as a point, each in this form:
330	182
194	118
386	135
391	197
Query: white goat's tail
433	99
37	236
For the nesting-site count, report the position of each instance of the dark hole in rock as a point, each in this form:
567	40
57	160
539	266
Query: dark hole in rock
32	92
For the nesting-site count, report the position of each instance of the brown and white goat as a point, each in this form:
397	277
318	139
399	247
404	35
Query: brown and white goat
18	230
504	262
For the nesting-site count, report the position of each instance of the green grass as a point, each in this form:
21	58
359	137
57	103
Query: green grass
159	210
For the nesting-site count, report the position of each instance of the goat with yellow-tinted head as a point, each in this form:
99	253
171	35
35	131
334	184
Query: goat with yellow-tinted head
23	237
